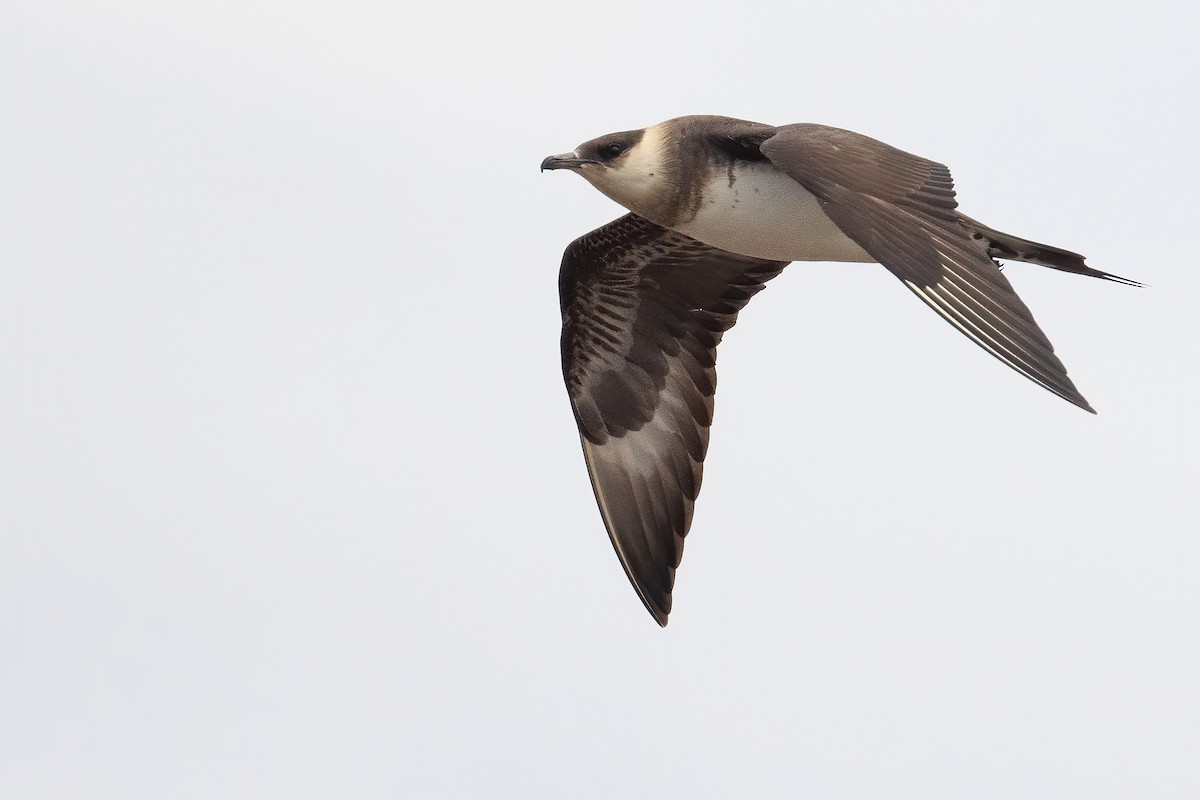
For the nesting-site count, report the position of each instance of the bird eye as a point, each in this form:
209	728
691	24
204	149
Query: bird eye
612	150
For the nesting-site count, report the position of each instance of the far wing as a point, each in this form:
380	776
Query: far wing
643	311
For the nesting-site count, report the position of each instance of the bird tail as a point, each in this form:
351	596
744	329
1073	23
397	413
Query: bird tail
1014	248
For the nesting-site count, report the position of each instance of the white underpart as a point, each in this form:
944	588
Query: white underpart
758	211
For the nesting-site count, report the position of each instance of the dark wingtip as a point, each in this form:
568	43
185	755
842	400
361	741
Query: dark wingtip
1076	399
660	607
660	616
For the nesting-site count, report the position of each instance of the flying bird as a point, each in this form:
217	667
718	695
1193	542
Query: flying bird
719	207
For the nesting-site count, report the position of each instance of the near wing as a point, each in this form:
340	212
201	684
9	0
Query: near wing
900	208
643	311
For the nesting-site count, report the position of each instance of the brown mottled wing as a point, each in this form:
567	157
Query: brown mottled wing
643	311
900	208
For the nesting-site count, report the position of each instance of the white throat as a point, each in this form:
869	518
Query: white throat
639	178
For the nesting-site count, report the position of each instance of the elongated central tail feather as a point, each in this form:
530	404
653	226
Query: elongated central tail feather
1014	248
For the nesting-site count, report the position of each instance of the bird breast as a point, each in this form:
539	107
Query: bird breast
754	209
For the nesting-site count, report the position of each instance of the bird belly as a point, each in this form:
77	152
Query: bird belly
754	209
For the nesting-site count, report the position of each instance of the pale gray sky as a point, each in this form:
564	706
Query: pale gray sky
291	496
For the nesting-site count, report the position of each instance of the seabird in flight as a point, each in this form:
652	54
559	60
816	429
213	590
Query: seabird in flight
719	207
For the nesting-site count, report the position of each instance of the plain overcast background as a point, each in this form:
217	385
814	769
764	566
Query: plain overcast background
292	501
